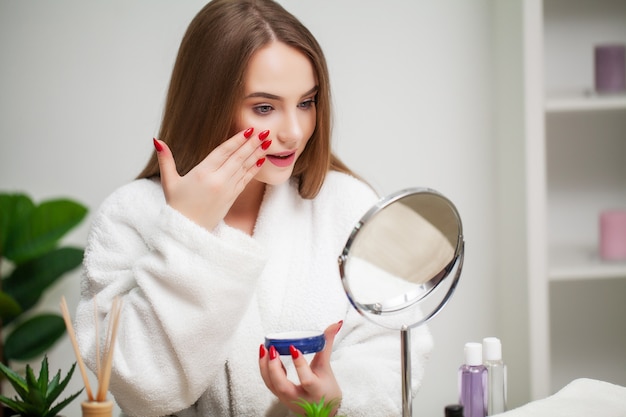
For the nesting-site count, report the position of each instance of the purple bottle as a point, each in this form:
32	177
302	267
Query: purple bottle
473	382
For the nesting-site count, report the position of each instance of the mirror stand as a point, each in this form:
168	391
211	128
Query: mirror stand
405	335
405	355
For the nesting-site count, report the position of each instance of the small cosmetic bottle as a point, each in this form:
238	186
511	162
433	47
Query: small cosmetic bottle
496	375
453	410
473	382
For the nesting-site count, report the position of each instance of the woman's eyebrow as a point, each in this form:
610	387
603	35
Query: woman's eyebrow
311	91
275	97
264	95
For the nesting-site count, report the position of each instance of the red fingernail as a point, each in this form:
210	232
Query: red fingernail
294	352
248	132
339	328
273	353
266	144
157	145
264	134
260	162
261	351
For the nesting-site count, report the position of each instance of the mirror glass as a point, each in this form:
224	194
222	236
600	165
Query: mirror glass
405	252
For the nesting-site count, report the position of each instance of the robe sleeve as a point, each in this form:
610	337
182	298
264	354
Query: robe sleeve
177	281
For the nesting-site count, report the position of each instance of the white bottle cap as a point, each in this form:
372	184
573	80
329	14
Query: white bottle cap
473	354
492	349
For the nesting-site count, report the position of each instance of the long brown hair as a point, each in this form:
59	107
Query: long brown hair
207	86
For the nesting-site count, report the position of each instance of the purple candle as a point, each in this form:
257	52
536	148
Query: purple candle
610	72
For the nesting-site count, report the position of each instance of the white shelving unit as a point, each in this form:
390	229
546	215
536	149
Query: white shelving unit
585	102
562	161
579	263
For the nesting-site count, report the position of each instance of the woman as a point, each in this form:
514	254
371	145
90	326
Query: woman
232	232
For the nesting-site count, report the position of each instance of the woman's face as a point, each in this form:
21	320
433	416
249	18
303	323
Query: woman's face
279	95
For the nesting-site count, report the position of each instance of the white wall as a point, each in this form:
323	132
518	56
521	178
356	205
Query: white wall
82	86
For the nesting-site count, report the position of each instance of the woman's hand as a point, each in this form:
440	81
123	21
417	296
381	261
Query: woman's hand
206	193
316	380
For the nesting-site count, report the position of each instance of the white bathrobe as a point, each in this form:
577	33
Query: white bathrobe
197	304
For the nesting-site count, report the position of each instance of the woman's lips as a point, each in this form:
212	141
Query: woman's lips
282	160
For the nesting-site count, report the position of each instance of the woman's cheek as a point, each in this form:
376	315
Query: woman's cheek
249	118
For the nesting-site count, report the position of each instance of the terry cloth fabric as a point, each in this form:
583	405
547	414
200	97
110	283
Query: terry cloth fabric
580	398
197	304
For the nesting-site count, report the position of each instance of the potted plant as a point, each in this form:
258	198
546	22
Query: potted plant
36	395
31	261
319	409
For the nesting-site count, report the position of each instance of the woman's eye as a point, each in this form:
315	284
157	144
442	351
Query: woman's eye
264	109
307	104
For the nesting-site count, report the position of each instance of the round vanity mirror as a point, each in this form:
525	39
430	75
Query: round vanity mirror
402	262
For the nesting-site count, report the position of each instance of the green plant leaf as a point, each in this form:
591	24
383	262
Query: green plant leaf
35	397
61	405
13	404
54	383
16	380
9	307
29	280
33	337
40	231
42	381
58	388
14	209
319	409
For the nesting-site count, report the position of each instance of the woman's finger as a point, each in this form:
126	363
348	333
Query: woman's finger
306	376
263	367
232	165
237	149
282	386
244	162
322	359
167	165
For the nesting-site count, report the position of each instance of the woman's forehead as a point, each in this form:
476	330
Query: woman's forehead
279	70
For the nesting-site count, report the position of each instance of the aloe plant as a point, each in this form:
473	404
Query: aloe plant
319	409
36	395
33	261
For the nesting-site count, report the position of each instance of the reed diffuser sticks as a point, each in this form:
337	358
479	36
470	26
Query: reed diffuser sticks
104	362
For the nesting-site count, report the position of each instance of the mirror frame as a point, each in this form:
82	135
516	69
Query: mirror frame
433	283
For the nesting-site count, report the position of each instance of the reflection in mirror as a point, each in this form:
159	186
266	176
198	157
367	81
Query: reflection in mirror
402	262
402	267
399	253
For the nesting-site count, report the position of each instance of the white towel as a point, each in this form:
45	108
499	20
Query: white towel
580	398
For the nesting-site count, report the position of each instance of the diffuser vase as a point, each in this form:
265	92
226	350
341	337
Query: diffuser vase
97	408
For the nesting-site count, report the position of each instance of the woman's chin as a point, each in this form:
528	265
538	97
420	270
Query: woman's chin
275	178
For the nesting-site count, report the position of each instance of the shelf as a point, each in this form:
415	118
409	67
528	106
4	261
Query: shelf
575	263
584	102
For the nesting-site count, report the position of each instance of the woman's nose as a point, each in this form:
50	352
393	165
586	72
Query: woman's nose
291	130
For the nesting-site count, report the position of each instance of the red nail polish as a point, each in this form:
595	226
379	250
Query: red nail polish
264	134
273	353
266	144
261	351
339	328
260	162
248	132
294	352
157	145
